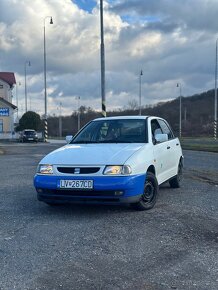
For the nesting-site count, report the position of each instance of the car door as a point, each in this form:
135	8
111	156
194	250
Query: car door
173	148
161	153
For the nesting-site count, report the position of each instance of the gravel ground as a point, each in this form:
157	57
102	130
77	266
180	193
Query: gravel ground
173	246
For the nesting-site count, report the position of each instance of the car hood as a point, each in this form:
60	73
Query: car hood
92	154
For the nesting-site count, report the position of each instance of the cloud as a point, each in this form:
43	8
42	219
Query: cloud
165	38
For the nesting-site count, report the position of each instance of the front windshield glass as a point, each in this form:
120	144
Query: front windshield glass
29	132
113	131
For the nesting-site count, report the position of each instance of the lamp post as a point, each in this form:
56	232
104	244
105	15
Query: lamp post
25	65
18	84
215	97
180	109
78	98
140	92
60	122
103	101
45	84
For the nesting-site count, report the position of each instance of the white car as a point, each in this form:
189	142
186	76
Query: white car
112	160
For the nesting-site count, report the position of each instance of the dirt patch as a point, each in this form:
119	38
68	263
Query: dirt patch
208	177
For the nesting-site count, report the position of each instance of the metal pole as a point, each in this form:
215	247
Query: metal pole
60	122
25	88
103	101
45	82
18	84
215	98
78	113
185	115
27	62
180	109
140	92
180	113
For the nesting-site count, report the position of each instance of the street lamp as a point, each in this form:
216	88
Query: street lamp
45	84
103	101
78	98
215	98
18	84
25	65
180	109
140	92
60	122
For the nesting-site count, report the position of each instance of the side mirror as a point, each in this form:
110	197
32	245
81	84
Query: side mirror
161	138
69	138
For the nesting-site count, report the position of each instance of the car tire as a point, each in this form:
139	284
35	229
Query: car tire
149	197
175	182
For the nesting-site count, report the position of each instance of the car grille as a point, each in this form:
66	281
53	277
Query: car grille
79	192
78	170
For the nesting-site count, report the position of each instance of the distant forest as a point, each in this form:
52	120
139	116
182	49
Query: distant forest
197	116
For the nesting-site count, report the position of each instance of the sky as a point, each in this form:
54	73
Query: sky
170	41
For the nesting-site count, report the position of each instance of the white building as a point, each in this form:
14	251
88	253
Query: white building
7	82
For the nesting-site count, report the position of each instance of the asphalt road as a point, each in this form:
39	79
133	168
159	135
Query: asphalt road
173	246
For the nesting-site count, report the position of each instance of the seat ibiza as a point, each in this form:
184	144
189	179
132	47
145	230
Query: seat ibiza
112	160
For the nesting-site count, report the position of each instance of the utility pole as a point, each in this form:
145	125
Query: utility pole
26	63
215	98
45	79
78	122
180	109
103	101
60	122
140	92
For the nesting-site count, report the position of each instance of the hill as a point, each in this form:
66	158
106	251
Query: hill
197	116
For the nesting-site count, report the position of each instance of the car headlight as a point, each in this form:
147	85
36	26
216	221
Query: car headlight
117	170
45	169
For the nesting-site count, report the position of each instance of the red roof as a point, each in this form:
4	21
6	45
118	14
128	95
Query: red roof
8	77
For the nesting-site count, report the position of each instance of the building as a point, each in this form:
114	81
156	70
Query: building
7	82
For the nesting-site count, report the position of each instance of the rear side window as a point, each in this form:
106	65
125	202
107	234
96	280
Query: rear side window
166	129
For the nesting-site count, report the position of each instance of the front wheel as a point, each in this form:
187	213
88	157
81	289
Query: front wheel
149	196
175	182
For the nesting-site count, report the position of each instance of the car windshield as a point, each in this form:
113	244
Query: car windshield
113	131
29	132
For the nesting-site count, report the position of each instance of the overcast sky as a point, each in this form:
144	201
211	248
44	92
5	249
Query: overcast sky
171	41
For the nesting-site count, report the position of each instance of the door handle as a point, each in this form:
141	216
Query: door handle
177	144
168	147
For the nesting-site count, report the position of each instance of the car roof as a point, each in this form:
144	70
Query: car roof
122	118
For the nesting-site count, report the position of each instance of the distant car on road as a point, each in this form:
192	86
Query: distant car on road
112	160
28	135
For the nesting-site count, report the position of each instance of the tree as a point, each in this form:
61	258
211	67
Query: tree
30	120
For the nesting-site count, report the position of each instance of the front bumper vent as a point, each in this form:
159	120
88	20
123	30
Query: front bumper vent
78	170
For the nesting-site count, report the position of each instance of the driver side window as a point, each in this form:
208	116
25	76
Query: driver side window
155	129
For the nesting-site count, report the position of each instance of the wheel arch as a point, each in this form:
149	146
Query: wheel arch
181	159
151	169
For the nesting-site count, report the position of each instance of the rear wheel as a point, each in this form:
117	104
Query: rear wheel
175	182
149	196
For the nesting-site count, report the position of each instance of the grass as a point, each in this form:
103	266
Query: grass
199	144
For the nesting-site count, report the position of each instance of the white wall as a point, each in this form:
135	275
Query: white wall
5	92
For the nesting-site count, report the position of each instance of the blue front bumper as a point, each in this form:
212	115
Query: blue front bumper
107	189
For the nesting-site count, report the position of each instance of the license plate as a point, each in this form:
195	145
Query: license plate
30	139
76	184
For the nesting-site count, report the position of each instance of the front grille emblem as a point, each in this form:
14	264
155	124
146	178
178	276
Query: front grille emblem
77	171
